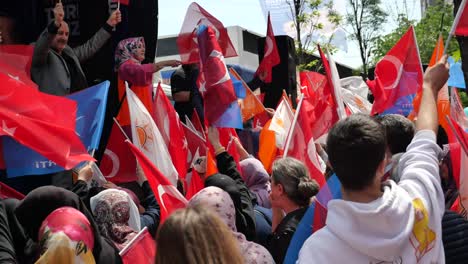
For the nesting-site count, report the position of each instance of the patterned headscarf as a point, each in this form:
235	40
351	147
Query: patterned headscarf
66	236
116	215
218	200
126	50
257	180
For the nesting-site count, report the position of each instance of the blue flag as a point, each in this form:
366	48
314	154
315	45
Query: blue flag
456	79
91	102
305	228
403	106
231	118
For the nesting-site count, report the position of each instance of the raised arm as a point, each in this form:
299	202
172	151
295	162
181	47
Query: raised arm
90	47
42	46
419	167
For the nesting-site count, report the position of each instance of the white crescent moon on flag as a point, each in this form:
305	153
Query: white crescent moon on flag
219	55
312	153
268	46
115	163
171	191
399	68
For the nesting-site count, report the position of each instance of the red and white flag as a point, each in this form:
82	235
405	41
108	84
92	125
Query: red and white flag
196	144
187	40
167	195
271	56
148	138
460	23
214	80
398	74
300	143
141	249
169	125
281	122
118	165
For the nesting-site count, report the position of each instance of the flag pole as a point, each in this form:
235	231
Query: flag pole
291	130
121	129
460	140
455	24
118	5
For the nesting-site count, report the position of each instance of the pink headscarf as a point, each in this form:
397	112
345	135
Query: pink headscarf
257	180
218	200
126	50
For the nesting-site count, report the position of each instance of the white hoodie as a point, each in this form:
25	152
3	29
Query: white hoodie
402	226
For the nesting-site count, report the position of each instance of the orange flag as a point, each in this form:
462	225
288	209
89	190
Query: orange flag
443	102
251	105
211	167
267	151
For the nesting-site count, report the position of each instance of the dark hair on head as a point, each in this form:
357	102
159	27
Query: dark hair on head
356	147
195	235
399	131
442	137
293	175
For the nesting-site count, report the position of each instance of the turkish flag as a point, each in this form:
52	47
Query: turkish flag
187	39
398	74
167	195
215	83
8	192
142	249
302	144
319	102
271	56
460	23
42	122
167	120
195	143
118	165
18	57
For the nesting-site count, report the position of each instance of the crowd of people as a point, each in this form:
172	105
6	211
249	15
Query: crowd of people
396	182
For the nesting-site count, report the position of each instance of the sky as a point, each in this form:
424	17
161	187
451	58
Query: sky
249	15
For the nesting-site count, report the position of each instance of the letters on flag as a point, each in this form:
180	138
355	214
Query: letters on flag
44	124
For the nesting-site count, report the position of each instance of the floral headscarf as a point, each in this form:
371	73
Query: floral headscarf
218	200
66	236
257	180
126	50
116	215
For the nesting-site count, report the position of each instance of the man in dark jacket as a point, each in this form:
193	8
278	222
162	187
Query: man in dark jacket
56	66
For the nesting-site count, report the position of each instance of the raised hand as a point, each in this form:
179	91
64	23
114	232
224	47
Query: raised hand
115	18
59	14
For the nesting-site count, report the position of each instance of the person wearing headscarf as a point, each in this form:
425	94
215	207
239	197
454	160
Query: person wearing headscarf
116	216
230	180
66	236
148	207
257	180
39	203
214	198
195	235
129	56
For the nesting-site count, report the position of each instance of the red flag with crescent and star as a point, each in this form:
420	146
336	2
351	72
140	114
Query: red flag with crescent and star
271	56
398	74
214	81
167	195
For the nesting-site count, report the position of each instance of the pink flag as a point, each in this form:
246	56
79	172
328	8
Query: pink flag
187	39
168	197
169	125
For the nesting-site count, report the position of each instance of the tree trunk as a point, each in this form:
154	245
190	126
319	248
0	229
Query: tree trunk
300	51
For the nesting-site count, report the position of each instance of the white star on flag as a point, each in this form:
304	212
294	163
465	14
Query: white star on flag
9	131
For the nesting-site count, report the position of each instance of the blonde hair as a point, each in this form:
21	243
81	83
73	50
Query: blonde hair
194	236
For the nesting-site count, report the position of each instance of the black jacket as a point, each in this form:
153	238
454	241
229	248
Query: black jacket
455	237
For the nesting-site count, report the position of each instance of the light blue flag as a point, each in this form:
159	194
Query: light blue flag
91	102
456	79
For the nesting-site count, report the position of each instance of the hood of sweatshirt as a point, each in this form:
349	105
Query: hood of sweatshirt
379	229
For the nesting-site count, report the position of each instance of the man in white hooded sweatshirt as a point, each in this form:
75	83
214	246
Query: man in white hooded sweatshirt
379	222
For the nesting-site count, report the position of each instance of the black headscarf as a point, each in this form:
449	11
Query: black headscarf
39	203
